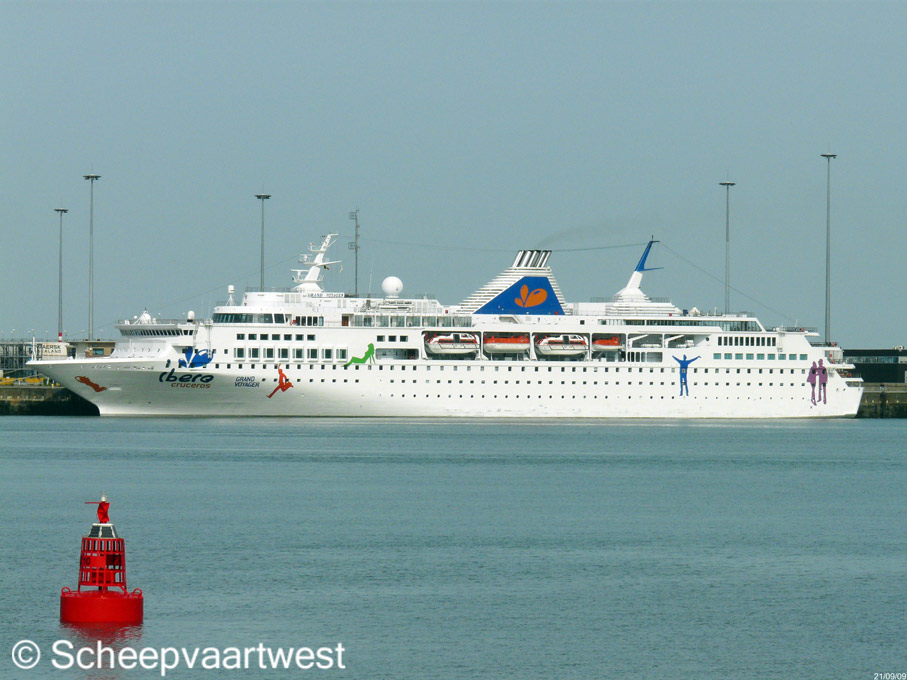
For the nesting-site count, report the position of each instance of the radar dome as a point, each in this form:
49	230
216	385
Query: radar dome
392	286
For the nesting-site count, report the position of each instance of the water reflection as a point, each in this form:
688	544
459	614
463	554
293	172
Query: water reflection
104	642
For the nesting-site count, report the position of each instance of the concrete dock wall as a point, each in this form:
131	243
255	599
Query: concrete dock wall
883	400
43	400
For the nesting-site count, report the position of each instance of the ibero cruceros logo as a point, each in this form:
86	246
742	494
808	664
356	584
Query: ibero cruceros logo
533	299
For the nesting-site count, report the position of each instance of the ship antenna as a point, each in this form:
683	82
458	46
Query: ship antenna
354	246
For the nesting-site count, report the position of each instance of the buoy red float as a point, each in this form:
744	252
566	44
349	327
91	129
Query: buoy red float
102	574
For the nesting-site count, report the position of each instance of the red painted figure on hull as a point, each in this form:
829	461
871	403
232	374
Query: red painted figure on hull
283	383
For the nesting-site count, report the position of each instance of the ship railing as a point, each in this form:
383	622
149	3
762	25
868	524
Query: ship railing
615	298
153	322
796	329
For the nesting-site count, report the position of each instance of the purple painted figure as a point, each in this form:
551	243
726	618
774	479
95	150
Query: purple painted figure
823	382
811	379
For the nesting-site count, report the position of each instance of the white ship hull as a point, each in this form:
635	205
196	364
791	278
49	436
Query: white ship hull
311	353
471	389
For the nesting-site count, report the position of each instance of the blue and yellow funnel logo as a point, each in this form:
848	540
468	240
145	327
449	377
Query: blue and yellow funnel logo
529	295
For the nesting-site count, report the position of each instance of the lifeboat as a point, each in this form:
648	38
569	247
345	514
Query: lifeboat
604	344
561	345
452	344
506	344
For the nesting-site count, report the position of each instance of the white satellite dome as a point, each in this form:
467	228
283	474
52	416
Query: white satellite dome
392	287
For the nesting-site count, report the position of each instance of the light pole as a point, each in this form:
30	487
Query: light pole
62	212
354	246
91	178
262	198
727	245
828	157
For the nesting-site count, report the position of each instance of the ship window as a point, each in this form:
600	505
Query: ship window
284	353
239	353
275	336
328	354
404	338
738	357
380	338
240	336
802	357
771	357
297	354
341	354
392	338
312	353
760	357
287	337
299	337
310	338
253	336
269	352
253	353
716	355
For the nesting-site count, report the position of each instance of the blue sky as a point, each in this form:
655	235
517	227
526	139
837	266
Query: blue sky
465	131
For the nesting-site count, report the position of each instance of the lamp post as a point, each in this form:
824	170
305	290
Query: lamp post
262	198
354	246
828	157
727	245
62	212
91	178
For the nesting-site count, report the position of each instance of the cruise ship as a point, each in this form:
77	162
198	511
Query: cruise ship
513	349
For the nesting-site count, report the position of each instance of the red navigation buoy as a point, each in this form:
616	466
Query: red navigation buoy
102	572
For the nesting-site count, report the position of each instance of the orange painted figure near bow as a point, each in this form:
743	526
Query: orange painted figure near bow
283	383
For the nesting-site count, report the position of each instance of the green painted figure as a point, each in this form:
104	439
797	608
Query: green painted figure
369	356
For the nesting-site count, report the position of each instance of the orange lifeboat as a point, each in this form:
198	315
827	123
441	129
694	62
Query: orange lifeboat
506	344
452	344
561	345
604	344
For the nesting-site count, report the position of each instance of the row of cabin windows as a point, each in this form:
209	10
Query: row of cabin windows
341	354
269	318
283	353
287	337
747	341
759	357
594	383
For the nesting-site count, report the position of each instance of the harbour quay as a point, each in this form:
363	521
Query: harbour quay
884	372
23	391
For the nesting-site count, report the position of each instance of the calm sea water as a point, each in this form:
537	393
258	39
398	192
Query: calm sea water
432	549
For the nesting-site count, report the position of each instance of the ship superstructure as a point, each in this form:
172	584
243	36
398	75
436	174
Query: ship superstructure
514	348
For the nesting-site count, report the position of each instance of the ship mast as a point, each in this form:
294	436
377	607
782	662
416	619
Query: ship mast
308	283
